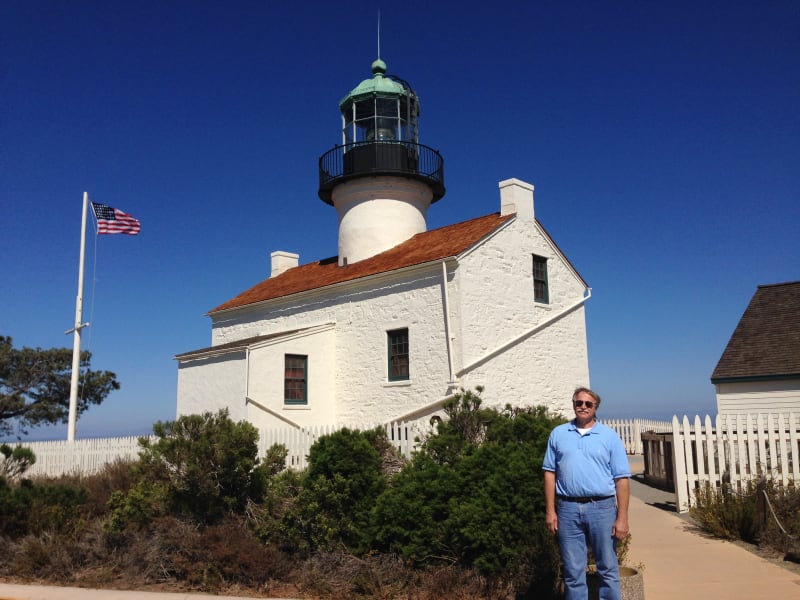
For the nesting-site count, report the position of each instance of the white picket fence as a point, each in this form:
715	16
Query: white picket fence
735	450
86	457
630	430
80	457
402	436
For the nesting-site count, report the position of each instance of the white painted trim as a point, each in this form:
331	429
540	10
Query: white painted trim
246	347
420	412
398	383
212	353
269	411
558	253
447	330
295	335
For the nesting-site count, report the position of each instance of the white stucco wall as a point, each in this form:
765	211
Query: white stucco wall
208	384
377	213
781	396
496	305
362	316
266	378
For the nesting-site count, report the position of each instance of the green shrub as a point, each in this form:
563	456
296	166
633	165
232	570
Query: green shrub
135	508
463	430
116	476
30	508
735	515
727	514
343	480
782	531
474	495
206	464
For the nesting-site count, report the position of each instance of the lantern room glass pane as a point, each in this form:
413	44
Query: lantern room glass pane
381	119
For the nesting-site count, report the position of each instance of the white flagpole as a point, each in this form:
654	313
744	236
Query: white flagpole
76	347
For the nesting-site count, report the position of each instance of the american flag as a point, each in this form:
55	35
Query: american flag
113	220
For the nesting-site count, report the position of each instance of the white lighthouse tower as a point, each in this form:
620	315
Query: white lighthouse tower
381	180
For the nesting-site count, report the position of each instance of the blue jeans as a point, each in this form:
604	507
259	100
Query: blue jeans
592	522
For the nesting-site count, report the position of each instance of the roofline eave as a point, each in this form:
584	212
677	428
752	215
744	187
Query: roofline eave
339	284
747	378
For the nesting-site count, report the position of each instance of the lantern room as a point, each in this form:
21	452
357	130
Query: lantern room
381	109
380	136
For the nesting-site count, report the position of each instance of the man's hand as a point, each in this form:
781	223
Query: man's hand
620	529
551	520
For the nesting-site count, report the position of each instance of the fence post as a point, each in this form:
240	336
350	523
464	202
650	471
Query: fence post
794	426
710	453
761	503
699	450
679	463
637	437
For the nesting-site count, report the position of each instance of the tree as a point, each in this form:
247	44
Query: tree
35	385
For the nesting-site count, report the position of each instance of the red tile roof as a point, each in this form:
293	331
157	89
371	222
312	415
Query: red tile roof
766	342
428	246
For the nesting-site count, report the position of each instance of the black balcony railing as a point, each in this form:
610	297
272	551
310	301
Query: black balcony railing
408	159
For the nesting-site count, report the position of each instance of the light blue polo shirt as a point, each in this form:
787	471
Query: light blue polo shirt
586	465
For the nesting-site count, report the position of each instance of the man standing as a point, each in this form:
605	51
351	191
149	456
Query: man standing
586	492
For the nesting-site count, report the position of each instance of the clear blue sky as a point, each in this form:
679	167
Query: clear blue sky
663	139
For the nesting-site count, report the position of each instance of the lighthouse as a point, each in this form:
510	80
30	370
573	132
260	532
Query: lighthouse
380	179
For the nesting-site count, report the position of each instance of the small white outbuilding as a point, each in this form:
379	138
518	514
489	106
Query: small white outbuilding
759	370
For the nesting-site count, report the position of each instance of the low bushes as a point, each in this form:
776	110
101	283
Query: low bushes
198	510
768	516
33	509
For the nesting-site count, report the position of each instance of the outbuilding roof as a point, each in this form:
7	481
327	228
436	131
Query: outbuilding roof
766	342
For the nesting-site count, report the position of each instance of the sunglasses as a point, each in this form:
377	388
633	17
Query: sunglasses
586	403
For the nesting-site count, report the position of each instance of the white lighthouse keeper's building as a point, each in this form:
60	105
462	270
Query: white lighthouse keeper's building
402	317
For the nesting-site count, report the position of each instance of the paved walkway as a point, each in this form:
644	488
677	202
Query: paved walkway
40	592
679	562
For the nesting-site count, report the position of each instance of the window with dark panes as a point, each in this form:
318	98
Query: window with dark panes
295	379
398	354
540	290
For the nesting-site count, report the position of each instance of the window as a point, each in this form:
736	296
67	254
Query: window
398	354
540	291
295	379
